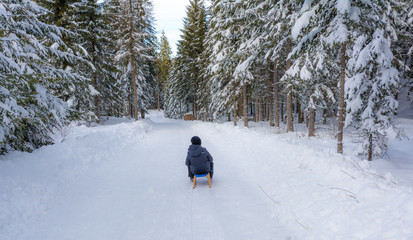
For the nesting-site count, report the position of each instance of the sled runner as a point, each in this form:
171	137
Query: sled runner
207	175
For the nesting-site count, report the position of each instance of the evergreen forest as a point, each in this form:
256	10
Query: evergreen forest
342	62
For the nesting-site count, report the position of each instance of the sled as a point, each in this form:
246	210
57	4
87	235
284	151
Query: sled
207	175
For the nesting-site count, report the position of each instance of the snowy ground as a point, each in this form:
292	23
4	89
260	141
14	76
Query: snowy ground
127	180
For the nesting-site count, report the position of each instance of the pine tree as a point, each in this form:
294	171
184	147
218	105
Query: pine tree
188	60
136	54
315	65
115	18
324	26
373	79
91	25
400	15
271	43
371	91
175	93
29	110
164	64
76	92
223	40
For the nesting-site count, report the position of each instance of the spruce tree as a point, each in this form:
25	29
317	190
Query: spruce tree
164	64
136	54
188	60
223	40
29	111
76	92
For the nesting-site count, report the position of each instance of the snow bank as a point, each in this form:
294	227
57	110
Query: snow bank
317	192
28	181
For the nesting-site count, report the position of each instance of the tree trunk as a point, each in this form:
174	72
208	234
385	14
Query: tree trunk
370	157
282	109
96	98
276	96
193	106
240	106
256	110
289	106
235	111
324	116
135	90
311	121
251	108
130	102
132	59
158	100
245	106
194	110
300	113
180	109
142	114
341	107
271	112
261	109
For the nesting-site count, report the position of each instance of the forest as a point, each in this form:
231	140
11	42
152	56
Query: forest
343	62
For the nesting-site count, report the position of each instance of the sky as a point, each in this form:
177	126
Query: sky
169	15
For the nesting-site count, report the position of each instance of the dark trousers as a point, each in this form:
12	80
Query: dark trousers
211	172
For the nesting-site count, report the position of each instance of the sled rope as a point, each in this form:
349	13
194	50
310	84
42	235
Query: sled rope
277	202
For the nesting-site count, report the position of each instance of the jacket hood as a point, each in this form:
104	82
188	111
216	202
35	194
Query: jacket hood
195	150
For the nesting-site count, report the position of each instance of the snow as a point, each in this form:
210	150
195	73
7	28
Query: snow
305	74
127	180
343	6
302	22
93	91
306	6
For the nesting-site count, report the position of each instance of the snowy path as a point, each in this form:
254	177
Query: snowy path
141	192
128	181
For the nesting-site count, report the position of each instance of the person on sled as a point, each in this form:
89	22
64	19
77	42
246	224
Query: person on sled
198	159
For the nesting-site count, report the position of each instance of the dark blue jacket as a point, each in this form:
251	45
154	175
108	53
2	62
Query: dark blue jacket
198	159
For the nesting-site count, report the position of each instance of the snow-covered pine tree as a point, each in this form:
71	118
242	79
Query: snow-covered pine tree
164	64
252	67
114	14
175	93
92	28
400	16
274	37
409	52
316	60
286	13
269	33
187	64
136	52
78	91
373	79
107	71
29	111
223	40
147	59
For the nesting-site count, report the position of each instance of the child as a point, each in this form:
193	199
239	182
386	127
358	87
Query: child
198	159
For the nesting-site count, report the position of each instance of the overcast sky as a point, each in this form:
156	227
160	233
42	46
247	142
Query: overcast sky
169	15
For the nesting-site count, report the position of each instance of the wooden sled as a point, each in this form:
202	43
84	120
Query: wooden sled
207	175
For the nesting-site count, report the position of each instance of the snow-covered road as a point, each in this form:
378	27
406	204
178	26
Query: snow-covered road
127	180
124	186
